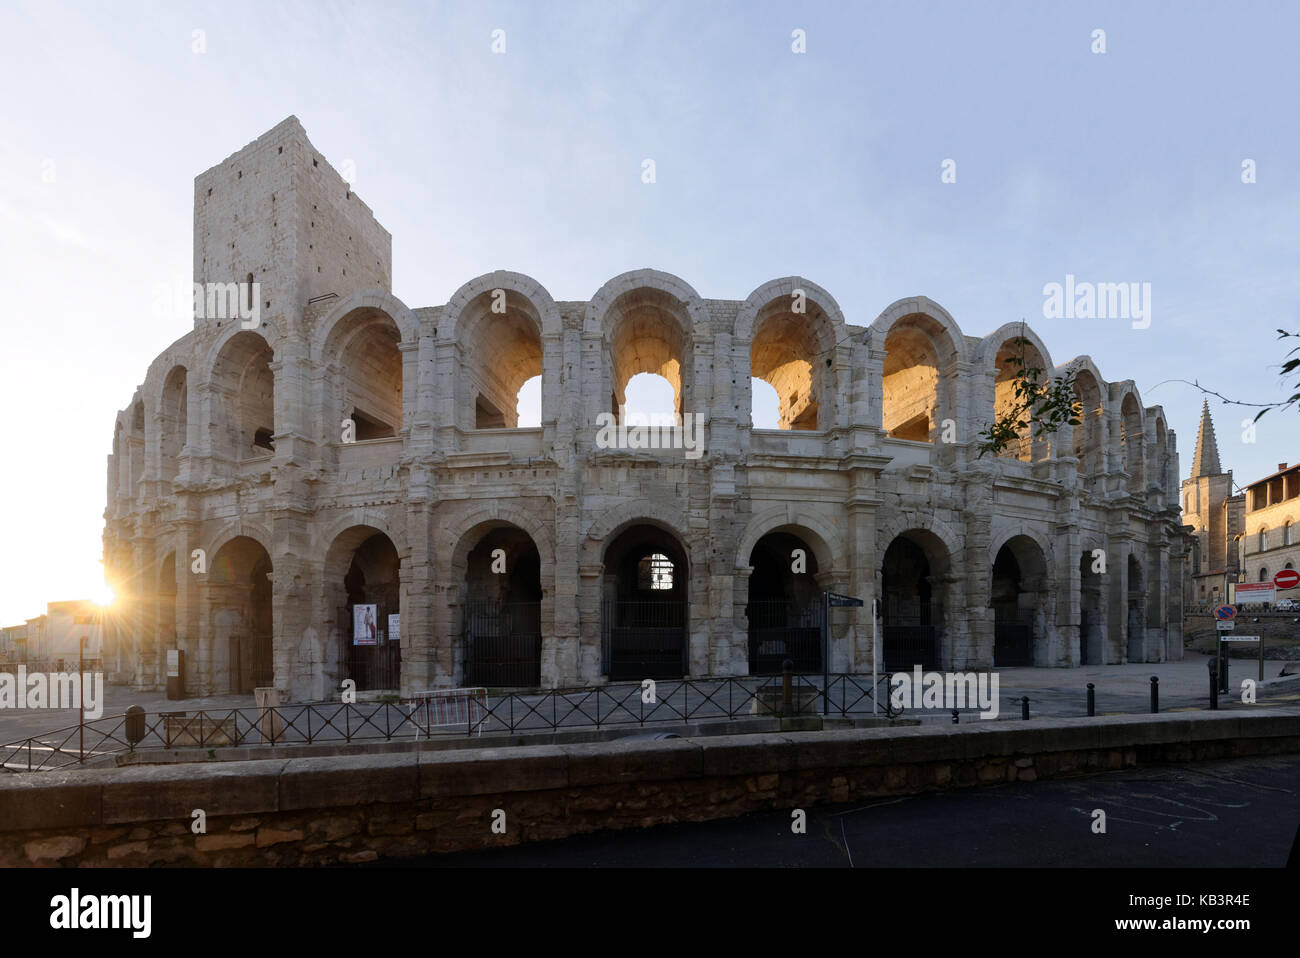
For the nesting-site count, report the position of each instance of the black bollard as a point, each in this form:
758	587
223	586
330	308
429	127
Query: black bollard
1155	694
1214	686
1024	707
1092	700
954	716
787	692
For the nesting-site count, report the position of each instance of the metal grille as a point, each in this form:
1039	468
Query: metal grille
372	667
910	634
781	629
644	639
503	643
1013	638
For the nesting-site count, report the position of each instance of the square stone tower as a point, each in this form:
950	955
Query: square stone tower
278	213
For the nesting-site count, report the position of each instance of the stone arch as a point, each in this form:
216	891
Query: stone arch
820	533
915	583
1132	436
367	302
544	311
364	375
239	527
1021	594
173	419
361	566
649	322
1091	390
793	352
997	353
909	306
241	384
361	516
618	518
497	514
496	353
909	520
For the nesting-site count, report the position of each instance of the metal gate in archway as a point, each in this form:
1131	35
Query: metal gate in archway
503	644
644	639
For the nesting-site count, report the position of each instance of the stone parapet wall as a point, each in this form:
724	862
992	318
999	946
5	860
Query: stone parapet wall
362	808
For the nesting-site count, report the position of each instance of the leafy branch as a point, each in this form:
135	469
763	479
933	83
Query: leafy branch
1045	404
1289	366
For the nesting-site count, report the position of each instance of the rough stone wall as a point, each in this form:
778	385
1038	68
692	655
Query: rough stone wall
846	488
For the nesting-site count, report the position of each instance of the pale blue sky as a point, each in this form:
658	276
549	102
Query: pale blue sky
1116	167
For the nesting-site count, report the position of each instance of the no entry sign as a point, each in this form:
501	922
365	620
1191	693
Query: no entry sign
1287	579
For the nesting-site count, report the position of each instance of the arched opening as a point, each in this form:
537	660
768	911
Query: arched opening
1019	571
362	574
917	349
1012	360
785	605
245	397
649	395
912	622
366	375
1088	444
791	352
1131	442
1090	610
499	341
1263	575
173	420
1160	460
529	403
644	609
502	626
239	589
1136	617
135	443
649	333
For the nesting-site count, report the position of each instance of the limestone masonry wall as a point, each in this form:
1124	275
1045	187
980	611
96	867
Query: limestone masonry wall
349	451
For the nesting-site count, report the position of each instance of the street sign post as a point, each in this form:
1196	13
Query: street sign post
1225	625
829	600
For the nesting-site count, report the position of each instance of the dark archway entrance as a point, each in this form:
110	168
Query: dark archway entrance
241	581
1017	575
1136	630
644	607
503	611
1090	606
911	611
373	594
785	606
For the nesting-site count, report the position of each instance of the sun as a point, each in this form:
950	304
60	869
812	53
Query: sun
103	596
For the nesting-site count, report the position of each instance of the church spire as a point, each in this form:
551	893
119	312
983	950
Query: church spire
1205	462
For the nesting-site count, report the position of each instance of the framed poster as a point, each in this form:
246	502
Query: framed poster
364	624
395	627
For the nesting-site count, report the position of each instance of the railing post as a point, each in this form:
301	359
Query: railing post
1155	693
1214	686
1092	700
787	696
1024	707
954	717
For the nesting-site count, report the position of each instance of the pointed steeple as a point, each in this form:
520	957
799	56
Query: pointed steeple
1205	461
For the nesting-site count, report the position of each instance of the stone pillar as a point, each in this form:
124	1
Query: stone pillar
590	662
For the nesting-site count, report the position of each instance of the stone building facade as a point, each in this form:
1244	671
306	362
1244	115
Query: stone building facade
345	451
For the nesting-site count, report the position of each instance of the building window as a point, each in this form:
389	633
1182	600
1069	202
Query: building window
1286	534
1263	539
1263	575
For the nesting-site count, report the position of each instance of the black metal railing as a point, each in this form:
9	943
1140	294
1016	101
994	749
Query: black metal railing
503	644
644	638
673	701
781	629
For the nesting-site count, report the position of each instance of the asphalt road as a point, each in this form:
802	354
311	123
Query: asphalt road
1236	813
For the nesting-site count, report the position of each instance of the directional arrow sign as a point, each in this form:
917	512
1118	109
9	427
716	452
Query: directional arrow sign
836	599
1240	638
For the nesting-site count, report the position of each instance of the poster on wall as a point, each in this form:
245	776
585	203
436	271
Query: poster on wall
364	624
395	628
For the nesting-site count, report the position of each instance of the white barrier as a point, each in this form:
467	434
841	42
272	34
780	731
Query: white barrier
440	708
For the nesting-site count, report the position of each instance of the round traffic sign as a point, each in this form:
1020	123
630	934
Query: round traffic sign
1225	612
1287	579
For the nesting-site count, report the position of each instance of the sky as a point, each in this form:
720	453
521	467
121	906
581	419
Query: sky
1122	166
